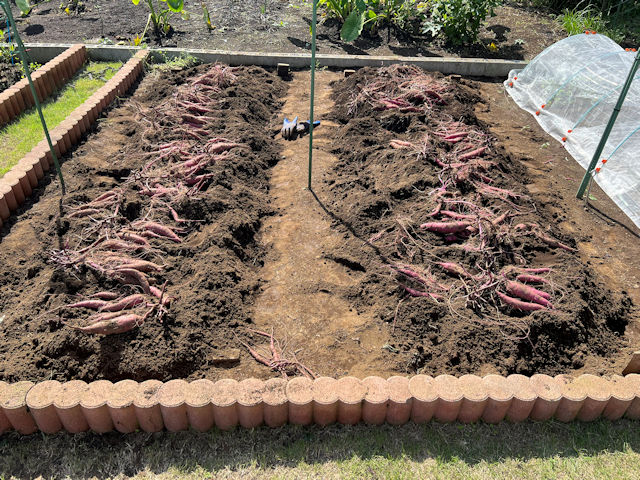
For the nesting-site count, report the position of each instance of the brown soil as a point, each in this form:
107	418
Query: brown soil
213	273
374	188
9	74
270	255
517	32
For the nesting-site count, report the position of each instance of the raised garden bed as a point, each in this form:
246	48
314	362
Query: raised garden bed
9	74
516	32
212	272
24	133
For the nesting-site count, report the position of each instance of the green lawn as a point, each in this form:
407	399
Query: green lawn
600	450
24	133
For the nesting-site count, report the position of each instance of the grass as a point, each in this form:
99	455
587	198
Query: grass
575	22
545	450
24	133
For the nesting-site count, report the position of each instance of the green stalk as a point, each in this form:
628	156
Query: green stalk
586	180
25	64
313	76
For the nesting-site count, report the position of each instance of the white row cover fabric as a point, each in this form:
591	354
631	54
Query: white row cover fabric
571	88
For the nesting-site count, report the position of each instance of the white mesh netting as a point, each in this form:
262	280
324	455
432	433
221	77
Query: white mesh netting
574	85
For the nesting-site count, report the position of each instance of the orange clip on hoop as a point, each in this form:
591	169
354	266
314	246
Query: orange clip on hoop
515	78
598	170
538	112
511	84
569	131
604	160
543	105
564	139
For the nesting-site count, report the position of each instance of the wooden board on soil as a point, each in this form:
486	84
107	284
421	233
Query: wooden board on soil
257	252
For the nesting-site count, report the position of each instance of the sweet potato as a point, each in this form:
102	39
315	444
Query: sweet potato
120	324
528	293
454	268
474	153
90	304
105	295
124	304
519	304
528	278
445	227
417	293
162	230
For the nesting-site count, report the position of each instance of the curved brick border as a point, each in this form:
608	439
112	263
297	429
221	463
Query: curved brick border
47	79
18	183
176	405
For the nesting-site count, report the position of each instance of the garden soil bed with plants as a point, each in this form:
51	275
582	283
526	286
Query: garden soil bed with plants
9	74
274	26
185	198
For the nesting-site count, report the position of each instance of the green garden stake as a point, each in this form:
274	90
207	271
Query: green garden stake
25	64
313	75
588	176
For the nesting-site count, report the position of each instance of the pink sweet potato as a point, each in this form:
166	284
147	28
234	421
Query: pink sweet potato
105	295
519	304
124	304
454	268
417	293
528	293
528	278
445	227
120	324
472	154
162	230
90	304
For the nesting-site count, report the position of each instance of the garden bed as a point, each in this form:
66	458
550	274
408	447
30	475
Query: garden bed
9	74
407	173
516	32
211	274
24	132
216	266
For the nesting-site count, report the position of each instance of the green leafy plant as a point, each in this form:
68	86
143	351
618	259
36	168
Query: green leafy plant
575	22
370	15
459	20
159	16
206	17
24	7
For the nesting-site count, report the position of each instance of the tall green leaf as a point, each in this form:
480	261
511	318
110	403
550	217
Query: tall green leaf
24	6
352	26
175	5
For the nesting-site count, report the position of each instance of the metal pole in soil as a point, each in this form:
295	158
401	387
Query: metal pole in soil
313	75
586	180
25	63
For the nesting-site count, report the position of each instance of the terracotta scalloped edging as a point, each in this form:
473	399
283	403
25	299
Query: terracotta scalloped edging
18	183
151	406
46	80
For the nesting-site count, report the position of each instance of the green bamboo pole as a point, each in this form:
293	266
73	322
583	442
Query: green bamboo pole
586	180
25	64
313	76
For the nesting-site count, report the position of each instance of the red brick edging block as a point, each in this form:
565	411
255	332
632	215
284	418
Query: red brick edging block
176	405
46	80
18	183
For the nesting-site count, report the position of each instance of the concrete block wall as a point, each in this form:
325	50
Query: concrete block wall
17	185
176	405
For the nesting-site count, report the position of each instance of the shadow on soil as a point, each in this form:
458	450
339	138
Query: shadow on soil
88	455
